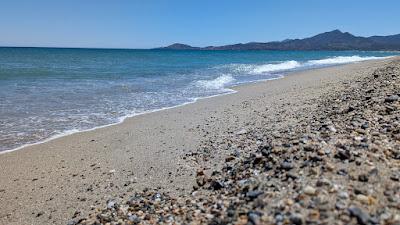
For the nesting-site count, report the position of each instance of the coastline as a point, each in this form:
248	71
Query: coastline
231	88
162	139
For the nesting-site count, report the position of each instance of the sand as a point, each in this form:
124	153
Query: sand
50	182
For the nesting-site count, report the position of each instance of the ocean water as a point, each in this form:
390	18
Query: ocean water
48	92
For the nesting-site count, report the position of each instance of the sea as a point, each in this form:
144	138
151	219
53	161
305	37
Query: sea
50	92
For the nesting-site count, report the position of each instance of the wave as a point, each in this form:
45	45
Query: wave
257	69
217	83
287	65
341	60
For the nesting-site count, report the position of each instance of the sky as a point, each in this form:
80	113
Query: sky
155	23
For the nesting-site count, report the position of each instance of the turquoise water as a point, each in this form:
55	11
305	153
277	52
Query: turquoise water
47	92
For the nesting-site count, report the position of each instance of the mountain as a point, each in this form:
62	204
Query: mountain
178	46
333	40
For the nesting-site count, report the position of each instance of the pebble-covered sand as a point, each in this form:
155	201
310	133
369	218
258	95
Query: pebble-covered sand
337	164
316	147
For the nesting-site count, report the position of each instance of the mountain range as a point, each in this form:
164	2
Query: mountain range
334	40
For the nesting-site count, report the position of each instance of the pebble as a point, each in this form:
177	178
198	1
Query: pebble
242	131
392	98
362	217
362	198
343	195
310	190
296	218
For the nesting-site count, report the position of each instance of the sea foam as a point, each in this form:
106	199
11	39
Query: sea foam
290	65
341	60
287	65
217	83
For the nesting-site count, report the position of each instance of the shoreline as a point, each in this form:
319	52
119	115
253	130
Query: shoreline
231	88
336	161
54	181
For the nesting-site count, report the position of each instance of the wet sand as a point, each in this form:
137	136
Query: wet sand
52	182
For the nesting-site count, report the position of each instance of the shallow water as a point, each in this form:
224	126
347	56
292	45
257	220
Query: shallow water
46	92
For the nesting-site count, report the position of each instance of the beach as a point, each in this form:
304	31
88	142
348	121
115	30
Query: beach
77	175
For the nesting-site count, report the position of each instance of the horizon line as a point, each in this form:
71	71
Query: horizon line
161	47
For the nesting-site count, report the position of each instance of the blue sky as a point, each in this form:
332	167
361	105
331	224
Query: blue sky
146	24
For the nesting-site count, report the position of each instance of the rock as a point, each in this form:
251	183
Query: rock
72	222
365	126
111	204
343	154
363	177
343	195
253	194
323	182
309	190
296	218
134	219
229	158
287	166
340	205
254	217
392	98
362	217
242	131
200	180
216	185
395	176
362	198
200	172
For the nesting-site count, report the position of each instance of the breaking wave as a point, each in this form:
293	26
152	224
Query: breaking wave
217	83
255	69
288	65
341	60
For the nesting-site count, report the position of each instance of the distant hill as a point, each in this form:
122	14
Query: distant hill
333	40
178	46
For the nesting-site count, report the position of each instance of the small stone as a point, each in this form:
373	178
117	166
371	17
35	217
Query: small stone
216	185
343	154
309	190
363	177
323	182
254	217
242	131
340	205
110	204
229	158
134	219
361	216
253	194
200	172
332	129
392	98
365	126
200	181
72	222
362	198
287	166
296	219
343	195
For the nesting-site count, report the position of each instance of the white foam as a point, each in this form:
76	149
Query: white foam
287	65
340	60
256	69
217	83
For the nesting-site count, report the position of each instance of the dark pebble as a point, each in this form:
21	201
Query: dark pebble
361	216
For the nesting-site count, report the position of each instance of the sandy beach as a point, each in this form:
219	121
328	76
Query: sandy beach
70	177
